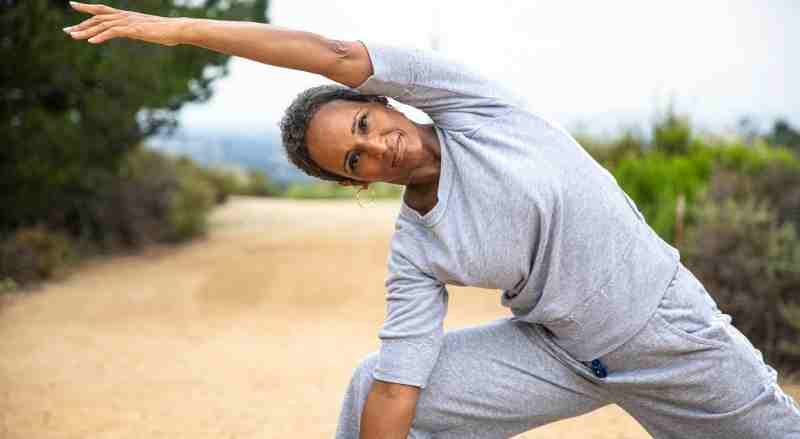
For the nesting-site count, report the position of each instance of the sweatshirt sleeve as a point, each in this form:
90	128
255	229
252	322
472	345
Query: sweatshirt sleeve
412	333
451	93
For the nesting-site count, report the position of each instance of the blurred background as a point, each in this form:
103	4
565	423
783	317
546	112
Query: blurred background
120	148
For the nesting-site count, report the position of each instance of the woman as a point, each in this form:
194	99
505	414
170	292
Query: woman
497	197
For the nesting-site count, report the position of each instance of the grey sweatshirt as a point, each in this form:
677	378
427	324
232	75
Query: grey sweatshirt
522	208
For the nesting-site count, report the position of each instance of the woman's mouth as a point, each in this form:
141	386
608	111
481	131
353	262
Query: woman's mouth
398	152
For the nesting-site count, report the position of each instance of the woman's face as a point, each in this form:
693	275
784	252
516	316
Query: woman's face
365	142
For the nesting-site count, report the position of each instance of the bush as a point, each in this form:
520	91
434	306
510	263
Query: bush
753	160
784	134
129	210
327	190
656	180
750	264
630	145
7	285
258	184
223	181
780	184
190	204
32	254
777	182
153	198
673	133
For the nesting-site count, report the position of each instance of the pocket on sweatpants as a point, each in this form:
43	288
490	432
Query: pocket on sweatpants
688	311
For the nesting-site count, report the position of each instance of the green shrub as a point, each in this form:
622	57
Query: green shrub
673	133
129	209
153	198
258	184
777	182
224	182
750	264
190	203
32	254
630	145
656	180
753	160
784	134
317	190
7	285
780	185
326	189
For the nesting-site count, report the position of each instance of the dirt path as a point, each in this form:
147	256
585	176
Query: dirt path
249	333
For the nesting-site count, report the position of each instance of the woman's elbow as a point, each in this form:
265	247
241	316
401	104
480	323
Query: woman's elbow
351	65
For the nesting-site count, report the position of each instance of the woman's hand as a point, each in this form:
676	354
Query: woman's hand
109	23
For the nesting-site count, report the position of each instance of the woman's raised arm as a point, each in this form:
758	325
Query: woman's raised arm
346	62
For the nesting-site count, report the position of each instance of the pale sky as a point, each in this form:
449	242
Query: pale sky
597	65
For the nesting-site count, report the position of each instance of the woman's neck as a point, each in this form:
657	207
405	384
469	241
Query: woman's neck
428	173
421	191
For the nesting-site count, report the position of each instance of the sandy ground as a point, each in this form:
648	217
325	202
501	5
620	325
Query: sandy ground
251	332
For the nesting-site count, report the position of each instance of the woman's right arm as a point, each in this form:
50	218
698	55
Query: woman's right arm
346	62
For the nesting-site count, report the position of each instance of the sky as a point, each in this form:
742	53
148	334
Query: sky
596	67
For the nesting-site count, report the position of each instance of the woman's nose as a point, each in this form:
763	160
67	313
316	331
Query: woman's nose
376	145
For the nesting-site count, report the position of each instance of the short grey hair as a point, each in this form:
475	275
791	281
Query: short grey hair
297	118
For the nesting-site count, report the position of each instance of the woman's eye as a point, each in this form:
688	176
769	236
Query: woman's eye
362	123
352	161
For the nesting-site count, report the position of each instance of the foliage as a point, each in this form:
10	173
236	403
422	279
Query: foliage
8	285
673	133
33	253
771	174
155	198
258	184
680	164
169	198
70	111
190	203
629	145
326	189
750	263
656	180
785	134
224	182
752	160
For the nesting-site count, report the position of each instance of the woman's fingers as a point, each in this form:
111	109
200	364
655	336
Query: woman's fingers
109	23
97	29
94	21
109	34
92	9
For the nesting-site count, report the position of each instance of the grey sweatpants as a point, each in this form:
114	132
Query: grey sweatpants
687	374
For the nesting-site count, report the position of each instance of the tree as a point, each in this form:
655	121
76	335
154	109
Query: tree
70	111
785	134
673	133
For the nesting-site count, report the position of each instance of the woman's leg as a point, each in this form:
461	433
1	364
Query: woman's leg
490	381
690	374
